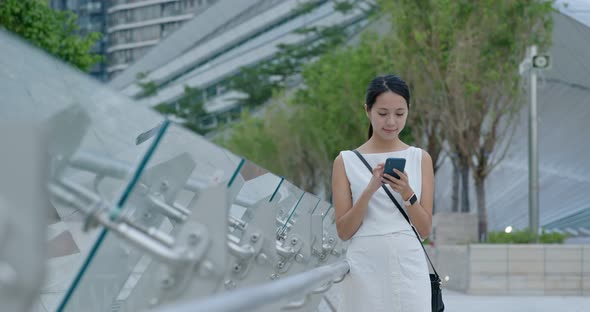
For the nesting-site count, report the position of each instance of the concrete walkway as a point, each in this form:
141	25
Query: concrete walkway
459	302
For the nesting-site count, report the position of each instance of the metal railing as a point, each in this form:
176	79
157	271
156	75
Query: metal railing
303	285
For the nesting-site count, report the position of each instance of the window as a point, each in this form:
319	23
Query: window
128	56
188	4
171	9
117	58
83	20
147	33
128	16
169	28
147	13
128	36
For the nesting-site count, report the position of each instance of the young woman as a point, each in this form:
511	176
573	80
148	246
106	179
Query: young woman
388	270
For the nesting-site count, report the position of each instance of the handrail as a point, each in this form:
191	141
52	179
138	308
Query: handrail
256	297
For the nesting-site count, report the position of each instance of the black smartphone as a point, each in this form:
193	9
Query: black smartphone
397	163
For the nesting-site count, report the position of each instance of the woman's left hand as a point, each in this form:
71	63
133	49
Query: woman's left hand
401	185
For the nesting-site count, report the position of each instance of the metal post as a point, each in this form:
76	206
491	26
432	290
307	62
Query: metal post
533	153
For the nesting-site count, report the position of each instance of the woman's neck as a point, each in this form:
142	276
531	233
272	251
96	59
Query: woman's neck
378	145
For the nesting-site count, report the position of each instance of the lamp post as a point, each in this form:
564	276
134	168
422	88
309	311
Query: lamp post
532	63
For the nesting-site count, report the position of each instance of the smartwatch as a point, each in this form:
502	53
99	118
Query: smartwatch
412	200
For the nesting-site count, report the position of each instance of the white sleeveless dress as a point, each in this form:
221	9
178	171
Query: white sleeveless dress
388	269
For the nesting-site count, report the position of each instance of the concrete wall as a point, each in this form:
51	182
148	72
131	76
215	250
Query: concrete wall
450	228
486	269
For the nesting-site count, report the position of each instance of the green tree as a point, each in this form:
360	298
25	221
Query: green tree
301	134
255	83
471	51
148	87
189	109
52	31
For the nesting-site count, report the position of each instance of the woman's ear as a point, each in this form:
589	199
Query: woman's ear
367	111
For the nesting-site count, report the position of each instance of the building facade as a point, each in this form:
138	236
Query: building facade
225	38
129	28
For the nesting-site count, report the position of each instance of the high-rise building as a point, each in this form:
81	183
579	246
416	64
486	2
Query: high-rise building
134	26
129	27
211	49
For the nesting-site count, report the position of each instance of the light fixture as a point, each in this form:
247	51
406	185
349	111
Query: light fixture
542	61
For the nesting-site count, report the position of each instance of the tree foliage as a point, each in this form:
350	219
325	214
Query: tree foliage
467	53
53	31
189	109
302	133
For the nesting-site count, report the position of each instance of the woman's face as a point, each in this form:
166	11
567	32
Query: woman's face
388	115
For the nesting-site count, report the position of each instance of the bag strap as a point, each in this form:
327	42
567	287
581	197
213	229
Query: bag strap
400	209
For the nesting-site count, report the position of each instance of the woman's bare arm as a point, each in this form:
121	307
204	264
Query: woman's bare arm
349	217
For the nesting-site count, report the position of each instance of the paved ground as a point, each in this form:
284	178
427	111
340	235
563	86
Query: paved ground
458	302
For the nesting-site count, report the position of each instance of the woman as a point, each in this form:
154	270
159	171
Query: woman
388	270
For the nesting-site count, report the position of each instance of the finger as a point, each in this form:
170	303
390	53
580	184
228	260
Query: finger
378	173
385	181
391	178
402	175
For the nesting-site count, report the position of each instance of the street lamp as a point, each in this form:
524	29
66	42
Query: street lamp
532	63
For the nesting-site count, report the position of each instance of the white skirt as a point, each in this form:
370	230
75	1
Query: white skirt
387	273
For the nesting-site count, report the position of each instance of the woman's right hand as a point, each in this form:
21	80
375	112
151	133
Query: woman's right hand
376	179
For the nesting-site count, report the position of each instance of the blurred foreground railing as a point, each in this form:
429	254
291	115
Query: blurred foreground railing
143	213
271	296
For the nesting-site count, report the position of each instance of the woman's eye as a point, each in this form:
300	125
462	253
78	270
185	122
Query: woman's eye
400	115
382	114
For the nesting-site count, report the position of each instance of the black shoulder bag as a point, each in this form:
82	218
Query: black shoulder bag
437	302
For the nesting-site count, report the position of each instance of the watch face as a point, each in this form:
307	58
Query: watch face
413	199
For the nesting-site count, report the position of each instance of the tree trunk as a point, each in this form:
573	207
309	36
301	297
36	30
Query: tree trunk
455	191
482	216
465	190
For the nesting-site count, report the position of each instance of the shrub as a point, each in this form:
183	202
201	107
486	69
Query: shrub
525	237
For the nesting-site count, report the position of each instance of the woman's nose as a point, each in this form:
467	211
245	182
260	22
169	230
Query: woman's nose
391	120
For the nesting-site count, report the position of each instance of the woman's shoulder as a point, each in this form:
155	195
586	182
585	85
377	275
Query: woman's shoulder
420	154
416	149
420	150
342	154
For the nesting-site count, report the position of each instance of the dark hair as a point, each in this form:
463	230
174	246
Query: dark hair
382	84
